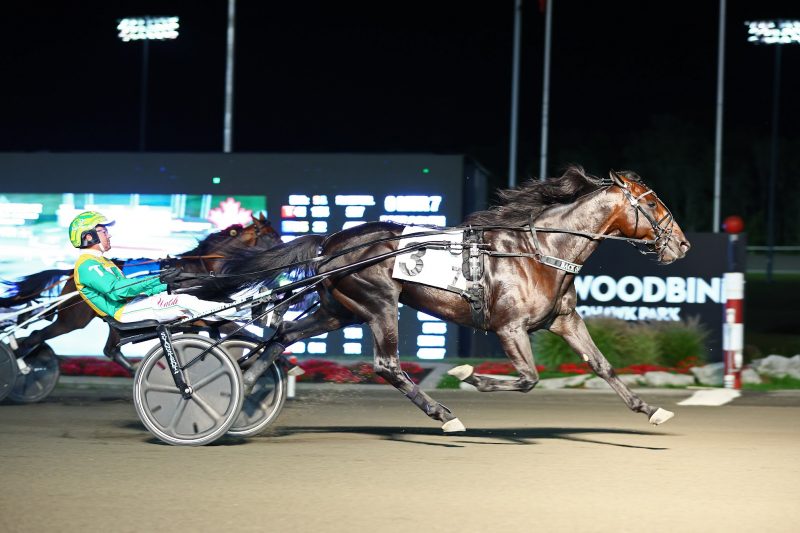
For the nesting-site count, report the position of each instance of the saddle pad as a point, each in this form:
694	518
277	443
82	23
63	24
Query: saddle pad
428	266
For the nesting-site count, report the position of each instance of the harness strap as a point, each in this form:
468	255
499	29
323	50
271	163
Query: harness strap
549	260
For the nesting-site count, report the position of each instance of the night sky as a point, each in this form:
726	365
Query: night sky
411	76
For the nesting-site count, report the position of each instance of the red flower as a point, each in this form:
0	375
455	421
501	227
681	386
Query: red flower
70	368
411	368
91	366
321	370
574	368
496	368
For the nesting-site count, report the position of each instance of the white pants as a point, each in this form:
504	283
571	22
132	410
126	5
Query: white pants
167	307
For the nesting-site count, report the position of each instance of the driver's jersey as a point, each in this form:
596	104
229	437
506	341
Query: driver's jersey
105	288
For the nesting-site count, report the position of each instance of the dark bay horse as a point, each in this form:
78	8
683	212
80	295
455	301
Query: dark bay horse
534	242
207	256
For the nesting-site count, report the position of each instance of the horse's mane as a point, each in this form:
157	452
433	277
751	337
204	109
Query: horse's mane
213	241
518	206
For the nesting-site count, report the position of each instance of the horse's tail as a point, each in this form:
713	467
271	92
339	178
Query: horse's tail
31	287
251	267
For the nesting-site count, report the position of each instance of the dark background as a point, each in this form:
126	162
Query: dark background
633	85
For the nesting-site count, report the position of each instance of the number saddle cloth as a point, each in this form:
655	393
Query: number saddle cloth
457	267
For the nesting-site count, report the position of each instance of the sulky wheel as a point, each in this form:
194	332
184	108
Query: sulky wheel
37	381
264	403
215	402
8	370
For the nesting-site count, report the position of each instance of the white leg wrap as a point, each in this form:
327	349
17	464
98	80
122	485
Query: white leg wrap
661	416
462	372
453	425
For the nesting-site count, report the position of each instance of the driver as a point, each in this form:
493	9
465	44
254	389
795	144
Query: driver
104	287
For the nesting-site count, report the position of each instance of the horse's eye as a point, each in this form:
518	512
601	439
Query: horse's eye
651	205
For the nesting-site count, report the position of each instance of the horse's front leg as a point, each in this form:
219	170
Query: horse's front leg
517	346
573	330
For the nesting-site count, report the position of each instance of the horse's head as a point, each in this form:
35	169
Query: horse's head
265	234
259	234
644	216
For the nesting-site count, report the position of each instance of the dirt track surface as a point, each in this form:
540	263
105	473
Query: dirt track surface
365	459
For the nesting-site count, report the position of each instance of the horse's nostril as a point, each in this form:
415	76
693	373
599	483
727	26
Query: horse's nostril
685	246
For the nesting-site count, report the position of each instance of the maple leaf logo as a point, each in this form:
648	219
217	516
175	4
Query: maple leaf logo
228	213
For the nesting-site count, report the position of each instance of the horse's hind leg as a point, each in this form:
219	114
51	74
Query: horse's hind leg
573	330
379	311
517	346
320	321
387	366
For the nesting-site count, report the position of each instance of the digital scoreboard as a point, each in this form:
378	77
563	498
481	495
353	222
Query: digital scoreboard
425	336
165	203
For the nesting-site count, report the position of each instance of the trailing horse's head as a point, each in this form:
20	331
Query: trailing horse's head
266	235
644	216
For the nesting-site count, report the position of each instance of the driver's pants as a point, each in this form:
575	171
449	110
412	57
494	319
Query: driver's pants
167	307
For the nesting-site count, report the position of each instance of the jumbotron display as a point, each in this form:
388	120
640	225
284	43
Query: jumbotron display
166	203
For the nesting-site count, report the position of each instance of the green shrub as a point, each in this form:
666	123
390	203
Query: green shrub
771	383
679	341
449	382
627	343
550	350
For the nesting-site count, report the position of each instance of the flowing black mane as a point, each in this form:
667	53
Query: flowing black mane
517	206
214	241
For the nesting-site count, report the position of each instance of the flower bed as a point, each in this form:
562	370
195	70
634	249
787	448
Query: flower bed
321	370
317	370
92	366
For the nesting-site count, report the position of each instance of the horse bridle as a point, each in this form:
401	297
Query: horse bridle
663	232
662	228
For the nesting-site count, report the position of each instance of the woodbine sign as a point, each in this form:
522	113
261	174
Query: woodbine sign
618	282
642	291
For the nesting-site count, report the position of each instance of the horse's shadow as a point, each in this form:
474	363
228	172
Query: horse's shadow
482	436
471	437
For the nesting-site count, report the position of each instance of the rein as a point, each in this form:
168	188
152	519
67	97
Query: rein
551	261
661	234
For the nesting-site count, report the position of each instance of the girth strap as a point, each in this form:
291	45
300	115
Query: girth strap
473	270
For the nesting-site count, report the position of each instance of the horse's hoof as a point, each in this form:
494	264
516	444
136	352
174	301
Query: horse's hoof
661	416
454	425
462	372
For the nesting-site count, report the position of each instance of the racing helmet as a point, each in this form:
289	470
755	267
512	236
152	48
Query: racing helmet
85	224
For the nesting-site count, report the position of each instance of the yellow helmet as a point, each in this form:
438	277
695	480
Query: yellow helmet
84	224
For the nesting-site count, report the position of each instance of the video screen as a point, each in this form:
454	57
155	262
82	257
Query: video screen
34	237
298	194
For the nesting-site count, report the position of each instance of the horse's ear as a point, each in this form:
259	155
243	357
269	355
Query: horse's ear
233	233
261	217
617	179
